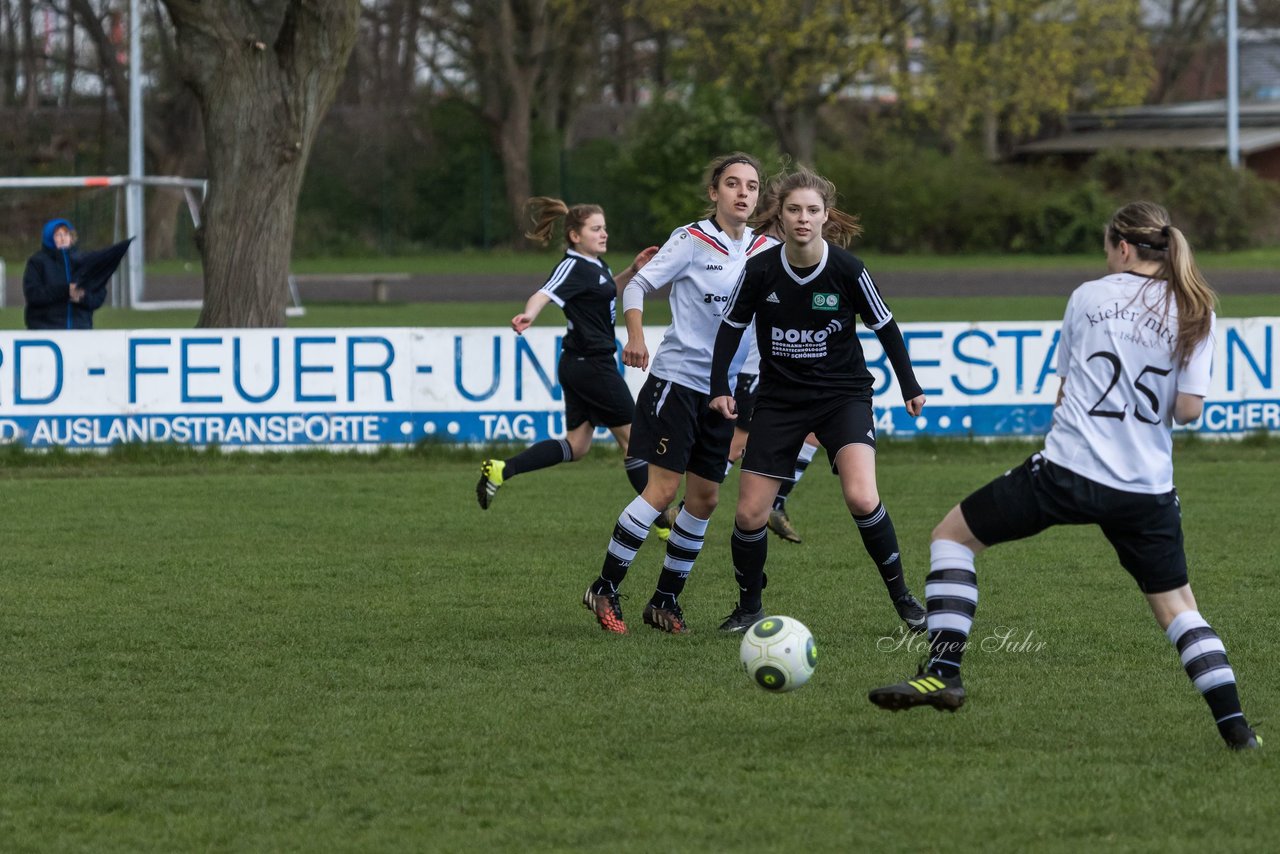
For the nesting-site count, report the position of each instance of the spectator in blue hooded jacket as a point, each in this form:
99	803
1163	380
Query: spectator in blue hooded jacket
64	287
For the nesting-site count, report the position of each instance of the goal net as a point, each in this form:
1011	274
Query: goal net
96	207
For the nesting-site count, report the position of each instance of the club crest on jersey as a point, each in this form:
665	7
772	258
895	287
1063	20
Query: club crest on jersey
826	302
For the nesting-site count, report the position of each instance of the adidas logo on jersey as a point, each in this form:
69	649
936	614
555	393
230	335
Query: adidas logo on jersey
871	434
772	298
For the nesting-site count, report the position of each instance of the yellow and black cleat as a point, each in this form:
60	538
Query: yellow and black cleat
923	689
490	482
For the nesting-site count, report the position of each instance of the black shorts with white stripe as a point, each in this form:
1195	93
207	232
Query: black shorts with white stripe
676	429
1145	530
778	430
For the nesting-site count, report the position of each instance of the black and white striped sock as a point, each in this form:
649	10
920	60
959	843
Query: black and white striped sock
628	536
951	599
1205	659
683	546
802	463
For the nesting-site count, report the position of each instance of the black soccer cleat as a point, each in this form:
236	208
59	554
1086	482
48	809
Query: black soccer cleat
1240	736
911	612
924	689
607	610
665	618
741	620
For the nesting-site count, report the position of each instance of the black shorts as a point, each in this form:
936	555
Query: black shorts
744	397
1145	530
677	430
779	429
594	391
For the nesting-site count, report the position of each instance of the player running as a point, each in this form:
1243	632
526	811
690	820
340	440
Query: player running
1134	358
594	392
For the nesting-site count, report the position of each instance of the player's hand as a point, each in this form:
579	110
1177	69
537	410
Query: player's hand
76	292
726	406
644	256
915	404
635	354
521	322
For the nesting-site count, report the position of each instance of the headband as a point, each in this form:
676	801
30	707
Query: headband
719	170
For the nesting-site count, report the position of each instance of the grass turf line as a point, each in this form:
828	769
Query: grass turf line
343	651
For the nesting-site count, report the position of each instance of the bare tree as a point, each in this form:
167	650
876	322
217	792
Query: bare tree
505	56
171	133
265	74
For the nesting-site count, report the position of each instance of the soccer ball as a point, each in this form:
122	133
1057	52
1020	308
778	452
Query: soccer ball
778	653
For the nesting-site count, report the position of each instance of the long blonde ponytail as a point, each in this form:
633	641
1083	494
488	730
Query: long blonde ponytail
1147	227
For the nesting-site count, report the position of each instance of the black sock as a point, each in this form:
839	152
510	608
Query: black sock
881	542
637	473
750	550
548	452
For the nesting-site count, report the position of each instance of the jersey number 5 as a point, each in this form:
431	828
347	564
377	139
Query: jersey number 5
1114	361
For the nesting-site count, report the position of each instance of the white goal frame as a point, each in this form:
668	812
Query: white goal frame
134	296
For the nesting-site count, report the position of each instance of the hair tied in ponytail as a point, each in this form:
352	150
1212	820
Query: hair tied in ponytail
1164	231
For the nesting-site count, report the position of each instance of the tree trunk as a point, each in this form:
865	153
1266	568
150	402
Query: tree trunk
796	128
30	73
514	39
991	134
265	74
512	137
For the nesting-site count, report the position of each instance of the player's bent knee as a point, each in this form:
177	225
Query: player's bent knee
861	504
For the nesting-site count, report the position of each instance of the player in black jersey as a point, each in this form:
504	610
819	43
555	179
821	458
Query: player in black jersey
804	296
594	392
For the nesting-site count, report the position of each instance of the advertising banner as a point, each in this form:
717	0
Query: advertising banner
294	388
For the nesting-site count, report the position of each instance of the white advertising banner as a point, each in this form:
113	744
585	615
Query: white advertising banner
366	387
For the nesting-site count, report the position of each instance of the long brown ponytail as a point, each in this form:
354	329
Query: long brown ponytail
1147	227
544	211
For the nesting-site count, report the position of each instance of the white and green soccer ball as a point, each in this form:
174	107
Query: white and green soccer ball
778	653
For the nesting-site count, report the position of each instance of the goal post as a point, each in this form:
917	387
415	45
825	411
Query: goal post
134	296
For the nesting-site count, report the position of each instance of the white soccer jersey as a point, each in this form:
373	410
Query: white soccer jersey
703	266
1114	425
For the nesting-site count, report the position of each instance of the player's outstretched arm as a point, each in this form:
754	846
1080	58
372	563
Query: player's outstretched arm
642	257
532	308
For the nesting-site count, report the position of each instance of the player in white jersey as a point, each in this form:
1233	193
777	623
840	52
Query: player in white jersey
674	430
1133	359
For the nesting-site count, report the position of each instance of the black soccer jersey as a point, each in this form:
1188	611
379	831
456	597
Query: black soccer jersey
805	324
585	290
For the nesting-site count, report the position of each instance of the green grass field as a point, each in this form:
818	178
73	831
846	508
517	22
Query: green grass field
314	652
